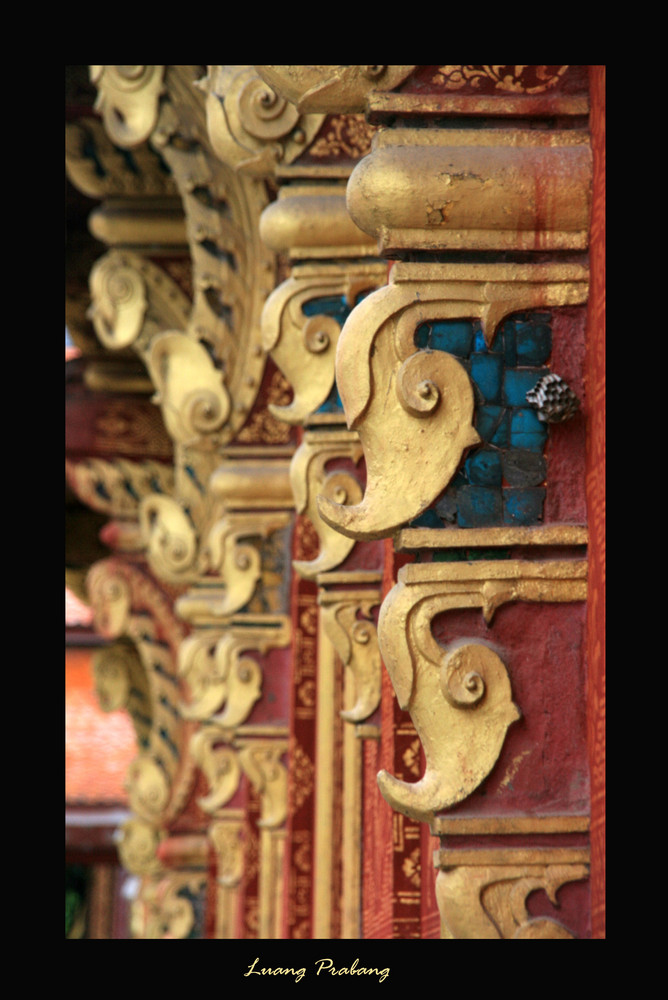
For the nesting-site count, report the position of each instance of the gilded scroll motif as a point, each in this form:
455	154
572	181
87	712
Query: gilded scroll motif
208	374
223	683
460	699
133	300
219	764
485	898
301	323
250	125
413	409
312	481
348	621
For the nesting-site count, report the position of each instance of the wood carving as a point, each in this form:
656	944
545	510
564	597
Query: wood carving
348	621
459	699
413	409
312	481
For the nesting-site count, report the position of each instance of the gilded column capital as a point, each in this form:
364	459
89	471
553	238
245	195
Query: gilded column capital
460	698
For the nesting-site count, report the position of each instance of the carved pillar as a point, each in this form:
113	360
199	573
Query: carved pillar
464	379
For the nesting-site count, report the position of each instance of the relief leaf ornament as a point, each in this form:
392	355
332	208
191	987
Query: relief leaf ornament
170	537
332	88
250	125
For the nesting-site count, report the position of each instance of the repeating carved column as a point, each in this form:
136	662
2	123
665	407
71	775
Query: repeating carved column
463	377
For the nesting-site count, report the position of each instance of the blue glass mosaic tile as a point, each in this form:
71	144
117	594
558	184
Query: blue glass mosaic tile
523	506
517	382
502	480
483	467
487	373
479	507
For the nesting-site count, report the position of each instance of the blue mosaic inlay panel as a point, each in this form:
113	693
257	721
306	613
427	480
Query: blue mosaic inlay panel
501	481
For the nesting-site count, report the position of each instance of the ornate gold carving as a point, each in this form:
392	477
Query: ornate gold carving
459	699
218	674
98	169
482	189
312	481
542	534
251	126
117	487
133	300
348	621
332	88
169	911
262	763
220	765
207	376
138	842
128	98
170	537
410	405
482	894
304	346
195	402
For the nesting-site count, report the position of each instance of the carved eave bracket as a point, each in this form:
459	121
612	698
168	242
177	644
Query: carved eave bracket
460	699
348	621
311	479
224	682
413	409
301	335
208	370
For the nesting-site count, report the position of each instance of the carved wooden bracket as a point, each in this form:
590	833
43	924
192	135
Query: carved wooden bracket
332	88
303	344
311	480
220	765
223	683
413	409
347	617
482	893
459	699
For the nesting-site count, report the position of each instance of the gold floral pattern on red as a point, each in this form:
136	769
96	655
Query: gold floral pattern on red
508	79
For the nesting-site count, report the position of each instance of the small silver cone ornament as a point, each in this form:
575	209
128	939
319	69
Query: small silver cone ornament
554	400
